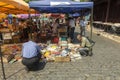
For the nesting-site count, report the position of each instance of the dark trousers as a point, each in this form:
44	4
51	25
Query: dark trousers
31	63
72	33
84	51
82	30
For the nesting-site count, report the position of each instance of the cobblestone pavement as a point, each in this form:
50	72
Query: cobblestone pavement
103	65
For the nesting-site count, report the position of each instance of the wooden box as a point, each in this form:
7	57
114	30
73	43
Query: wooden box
62	59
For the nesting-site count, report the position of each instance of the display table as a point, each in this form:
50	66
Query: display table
107	27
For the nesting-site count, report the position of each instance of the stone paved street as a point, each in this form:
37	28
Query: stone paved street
103	65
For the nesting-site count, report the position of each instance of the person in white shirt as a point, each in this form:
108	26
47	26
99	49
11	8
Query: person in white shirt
55	26
82	26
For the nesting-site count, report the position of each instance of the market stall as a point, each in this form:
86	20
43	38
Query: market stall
62	6
66	7
59	44
9	25
62	52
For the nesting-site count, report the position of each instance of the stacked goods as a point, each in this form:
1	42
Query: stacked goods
75	56
7	58
10	27
62	31
55	39
7	35
3	30
63	42
10	49
62	52
11	52
16	38
53	52
50	52
74	53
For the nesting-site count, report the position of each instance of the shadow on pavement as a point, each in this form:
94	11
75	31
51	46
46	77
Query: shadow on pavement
40	67
15	73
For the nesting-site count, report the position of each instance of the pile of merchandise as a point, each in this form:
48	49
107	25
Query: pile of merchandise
11	53
61	53
55	52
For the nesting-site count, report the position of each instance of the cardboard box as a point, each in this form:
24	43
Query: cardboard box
62	30
62	59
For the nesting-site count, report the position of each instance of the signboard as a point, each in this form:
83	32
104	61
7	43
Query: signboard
59	3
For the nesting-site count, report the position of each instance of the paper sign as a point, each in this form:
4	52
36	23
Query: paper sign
59	3
7	36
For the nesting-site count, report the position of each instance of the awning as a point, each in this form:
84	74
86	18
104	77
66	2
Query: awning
2	16
24	16
60	6
14	6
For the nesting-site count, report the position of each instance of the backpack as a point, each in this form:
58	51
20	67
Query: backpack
91	41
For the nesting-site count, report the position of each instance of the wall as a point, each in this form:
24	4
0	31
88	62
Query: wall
114	11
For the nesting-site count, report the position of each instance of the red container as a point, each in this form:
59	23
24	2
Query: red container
55	40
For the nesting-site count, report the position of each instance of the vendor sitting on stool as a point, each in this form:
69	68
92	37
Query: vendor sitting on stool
31	55
84	45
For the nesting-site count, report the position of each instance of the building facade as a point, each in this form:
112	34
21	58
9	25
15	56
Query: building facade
107	10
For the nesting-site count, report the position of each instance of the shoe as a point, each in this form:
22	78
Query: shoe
27	70
90	54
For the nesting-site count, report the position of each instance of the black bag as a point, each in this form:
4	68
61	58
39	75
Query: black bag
91	41
84	52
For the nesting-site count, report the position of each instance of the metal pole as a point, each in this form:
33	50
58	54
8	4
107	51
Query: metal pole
2	64
108	9
30	25
36	20
91	23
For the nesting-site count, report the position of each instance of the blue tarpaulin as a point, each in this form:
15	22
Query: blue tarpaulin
60	6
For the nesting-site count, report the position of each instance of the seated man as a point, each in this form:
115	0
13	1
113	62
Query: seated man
31	55
84	45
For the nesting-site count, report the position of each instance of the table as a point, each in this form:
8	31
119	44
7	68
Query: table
107	27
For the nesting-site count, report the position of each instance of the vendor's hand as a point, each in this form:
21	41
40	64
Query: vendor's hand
42	57
80	46
77	46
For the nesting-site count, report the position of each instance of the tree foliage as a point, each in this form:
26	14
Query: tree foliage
28	0
81	0
72	0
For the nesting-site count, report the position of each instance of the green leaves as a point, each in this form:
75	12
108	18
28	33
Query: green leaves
82	0
27	0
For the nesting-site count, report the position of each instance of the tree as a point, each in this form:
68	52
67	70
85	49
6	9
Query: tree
28	0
